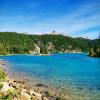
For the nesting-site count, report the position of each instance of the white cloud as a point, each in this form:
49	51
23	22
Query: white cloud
79	20
84	18
91	35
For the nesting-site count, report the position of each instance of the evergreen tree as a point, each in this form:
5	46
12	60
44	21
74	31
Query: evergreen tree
15	43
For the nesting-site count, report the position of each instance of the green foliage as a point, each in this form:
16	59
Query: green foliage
61	43
95	51
1	85
14	43
13	92
7	97
2	75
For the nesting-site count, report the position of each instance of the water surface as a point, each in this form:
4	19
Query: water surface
62	70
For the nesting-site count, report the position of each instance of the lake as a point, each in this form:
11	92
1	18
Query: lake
61	70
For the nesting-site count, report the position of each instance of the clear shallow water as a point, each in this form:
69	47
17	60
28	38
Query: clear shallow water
61	70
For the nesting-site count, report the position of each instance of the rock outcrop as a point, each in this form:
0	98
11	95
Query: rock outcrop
17	91
36	50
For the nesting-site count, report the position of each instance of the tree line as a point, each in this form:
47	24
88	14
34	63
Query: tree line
15	43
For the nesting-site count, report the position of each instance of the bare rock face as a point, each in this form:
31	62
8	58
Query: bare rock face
50	47
36	50
70	50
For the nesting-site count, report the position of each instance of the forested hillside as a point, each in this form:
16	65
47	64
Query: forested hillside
95	50
15	43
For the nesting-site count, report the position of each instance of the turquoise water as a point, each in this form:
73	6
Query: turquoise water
59	70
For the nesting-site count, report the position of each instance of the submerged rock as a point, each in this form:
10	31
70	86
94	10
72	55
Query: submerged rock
41	85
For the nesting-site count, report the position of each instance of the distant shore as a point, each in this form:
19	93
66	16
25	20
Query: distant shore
27	54
42	54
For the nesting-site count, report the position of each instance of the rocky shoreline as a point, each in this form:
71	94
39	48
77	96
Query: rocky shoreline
21	87
16	90
22	90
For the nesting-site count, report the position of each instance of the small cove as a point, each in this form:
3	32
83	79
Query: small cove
77	72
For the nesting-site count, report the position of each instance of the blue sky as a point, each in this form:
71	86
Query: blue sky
72	17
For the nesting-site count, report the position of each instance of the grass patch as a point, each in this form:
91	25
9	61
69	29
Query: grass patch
1	85
2	75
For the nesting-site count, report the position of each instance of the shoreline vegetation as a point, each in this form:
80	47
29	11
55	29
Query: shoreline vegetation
20	43
95	52
12	43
